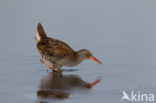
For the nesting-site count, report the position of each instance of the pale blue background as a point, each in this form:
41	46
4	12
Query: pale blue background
121	33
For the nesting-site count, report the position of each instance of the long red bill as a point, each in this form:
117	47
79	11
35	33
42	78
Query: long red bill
93	58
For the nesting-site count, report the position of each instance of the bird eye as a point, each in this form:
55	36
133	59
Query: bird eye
88	55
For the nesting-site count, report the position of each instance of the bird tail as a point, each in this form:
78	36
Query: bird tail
40	34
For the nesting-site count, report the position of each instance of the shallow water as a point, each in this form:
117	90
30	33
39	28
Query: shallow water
119	33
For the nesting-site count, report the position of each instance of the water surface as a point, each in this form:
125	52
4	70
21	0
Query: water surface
119	33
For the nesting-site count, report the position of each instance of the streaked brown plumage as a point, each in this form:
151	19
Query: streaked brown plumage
58	52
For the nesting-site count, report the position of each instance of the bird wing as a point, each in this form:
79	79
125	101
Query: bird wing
55	48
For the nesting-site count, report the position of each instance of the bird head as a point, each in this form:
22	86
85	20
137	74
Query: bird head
86	54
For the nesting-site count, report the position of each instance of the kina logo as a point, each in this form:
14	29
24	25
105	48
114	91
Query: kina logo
137	97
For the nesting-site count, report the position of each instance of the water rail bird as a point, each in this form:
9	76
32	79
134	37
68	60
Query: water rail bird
58	52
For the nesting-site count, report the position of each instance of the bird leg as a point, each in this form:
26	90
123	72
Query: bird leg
60	69
93	83
49	66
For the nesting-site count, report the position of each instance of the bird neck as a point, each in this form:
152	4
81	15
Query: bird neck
79	57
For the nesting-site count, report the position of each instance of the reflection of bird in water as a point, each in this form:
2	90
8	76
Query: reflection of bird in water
56	85
58	52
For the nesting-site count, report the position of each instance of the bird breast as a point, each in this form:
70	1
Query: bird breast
68	62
